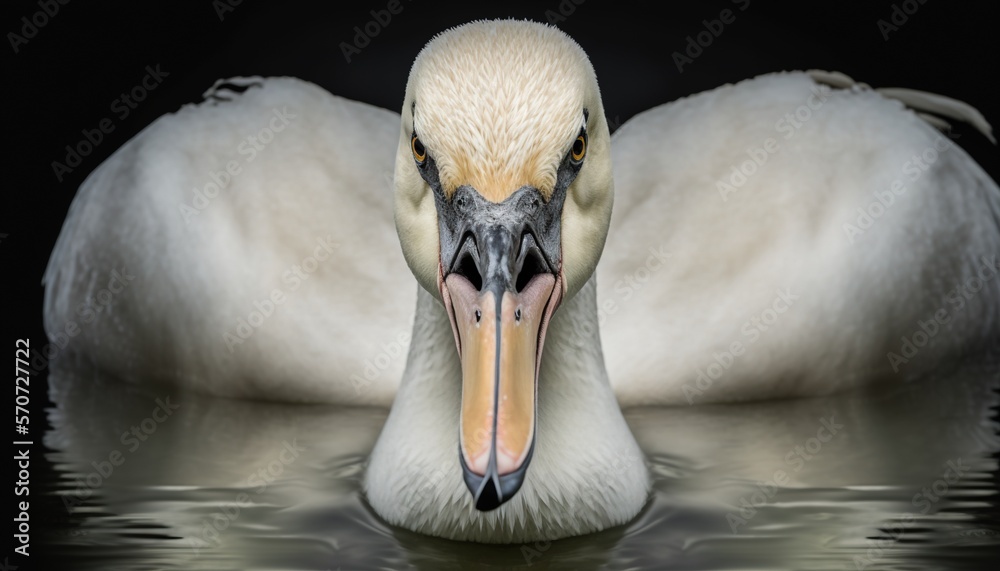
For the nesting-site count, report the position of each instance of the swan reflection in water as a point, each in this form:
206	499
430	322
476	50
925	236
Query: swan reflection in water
866	478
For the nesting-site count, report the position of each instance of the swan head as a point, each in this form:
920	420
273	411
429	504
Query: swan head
503	195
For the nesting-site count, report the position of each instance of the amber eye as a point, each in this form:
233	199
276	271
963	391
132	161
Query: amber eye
419	152
579	148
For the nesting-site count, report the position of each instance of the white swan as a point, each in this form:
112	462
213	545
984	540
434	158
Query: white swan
287	284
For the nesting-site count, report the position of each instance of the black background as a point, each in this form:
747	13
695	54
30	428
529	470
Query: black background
65	78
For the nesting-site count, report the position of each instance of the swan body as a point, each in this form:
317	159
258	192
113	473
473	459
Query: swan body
696	261
203	258
794	254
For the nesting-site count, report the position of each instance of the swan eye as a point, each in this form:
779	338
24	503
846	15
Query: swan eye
579	148
419	152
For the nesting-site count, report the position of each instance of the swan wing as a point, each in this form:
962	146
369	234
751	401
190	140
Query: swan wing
242	246
794	234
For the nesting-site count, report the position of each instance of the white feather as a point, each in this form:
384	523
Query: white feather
199	271
789	226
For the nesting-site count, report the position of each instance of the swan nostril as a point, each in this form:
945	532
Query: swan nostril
479	315
517	314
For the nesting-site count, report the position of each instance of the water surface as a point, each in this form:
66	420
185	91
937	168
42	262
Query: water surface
891	477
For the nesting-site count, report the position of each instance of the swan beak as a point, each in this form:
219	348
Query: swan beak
499	330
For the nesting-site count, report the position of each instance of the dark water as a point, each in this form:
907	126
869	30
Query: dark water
894	477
